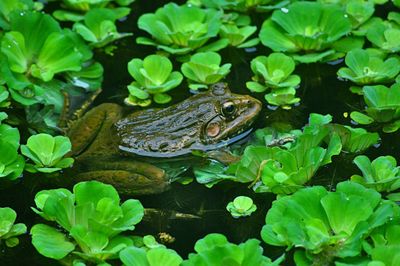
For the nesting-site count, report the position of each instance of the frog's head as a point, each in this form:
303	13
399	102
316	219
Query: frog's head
233	114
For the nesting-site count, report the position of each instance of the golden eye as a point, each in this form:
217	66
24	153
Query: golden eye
228	109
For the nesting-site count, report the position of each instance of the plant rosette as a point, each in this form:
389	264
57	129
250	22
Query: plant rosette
9	230
215	249
47	153
311	28
383	106
92	219
153	78
182	29
241	206
275	73
383	245
157	256
38	69
75	10
8	7
365	68
98	27
203	69
238	36
326	226
11	162
385	36
382	174
243	6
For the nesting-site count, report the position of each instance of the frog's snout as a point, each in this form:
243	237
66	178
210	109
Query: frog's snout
253	105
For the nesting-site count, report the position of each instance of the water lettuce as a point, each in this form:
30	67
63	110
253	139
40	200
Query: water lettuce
40	55
311	28
182	29
9	230
98	27
383	106
358	11
365	68
214	249
92	219
382	174
241	206
39	70
281	160
7	7
238	36
323	226
355	140
281	171
385	36
76	9
153	78
46	152
203	69
11	162
241	5
159	256
274	72
383	245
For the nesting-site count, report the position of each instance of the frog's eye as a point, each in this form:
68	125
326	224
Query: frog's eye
228	109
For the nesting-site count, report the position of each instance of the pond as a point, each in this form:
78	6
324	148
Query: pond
313	220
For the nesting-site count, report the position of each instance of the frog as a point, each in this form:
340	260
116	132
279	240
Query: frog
113	145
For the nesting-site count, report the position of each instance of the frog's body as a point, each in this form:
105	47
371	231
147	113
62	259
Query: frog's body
104	138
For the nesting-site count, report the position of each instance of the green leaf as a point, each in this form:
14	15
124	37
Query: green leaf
163	257
49	242
361	118
133	256
93	192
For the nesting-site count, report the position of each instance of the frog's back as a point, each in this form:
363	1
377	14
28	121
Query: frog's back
194	124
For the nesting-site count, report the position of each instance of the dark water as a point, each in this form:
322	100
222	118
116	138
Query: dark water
320	92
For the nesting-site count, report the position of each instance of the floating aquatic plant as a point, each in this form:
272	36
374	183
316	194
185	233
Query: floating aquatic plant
47	153
385	36
241	5
365	68
282	161
153	78
98	27
382	174
383	106
275	73
383	245
203	69
358	11
7	7
241	206
238	36
324	226
92	219
11	163
9	230
159	256
308	30
182	29
40	55
214	249
76	9
39	69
